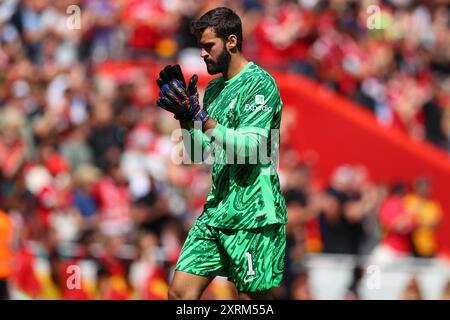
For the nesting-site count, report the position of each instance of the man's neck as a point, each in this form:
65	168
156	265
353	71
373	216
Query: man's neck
237	63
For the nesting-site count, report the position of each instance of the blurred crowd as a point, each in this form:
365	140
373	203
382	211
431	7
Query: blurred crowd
379	224
85	173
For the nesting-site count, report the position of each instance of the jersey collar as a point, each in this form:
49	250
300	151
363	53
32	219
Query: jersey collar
248	65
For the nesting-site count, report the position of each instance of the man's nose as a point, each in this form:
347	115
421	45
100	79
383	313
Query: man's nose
203	53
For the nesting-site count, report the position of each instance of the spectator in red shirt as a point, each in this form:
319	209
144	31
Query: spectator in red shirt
114	202
397	224
12	144
280	34
149	23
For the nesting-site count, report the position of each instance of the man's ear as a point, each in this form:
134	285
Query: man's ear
232	43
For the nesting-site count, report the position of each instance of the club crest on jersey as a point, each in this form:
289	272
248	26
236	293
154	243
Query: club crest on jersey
231	106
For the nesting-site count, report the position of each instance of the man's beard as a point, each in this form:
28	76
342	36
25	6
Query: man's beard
223	61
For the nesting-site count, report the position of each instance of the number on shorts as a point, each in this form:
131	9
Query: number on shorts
250	272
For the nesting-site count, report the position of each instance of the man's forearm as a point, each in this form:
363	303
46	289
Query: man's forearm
244	142
195	142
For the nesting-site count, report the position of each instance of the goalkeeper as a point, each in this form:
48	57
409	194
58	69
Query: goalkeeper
241	232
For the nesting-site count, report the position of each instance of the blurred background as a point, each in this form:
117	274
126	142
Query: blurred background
92	207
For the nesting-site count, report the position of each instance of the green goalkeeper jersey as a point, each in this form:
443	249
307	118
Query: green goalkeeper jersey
245	191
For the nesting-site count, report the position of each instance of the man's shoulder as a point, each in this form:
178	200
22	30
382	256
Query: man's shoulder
257	76
215	82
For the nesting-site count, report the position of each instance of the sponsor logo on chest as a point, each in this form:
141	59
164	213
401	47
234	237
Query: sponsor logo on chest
259	105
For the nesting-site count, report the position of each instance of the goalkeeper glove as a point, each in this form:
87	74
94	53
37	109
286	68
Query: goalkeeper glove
185	101
165	77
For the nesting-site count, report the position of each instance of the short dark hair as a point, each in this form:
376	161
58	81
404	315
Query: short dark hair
224	22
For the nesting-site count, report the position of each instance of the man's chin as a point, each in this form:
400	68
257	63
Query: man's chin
213	71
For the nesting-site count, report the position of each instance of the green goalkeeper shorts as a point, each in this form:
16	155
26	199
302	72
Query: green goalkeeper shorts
253	259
